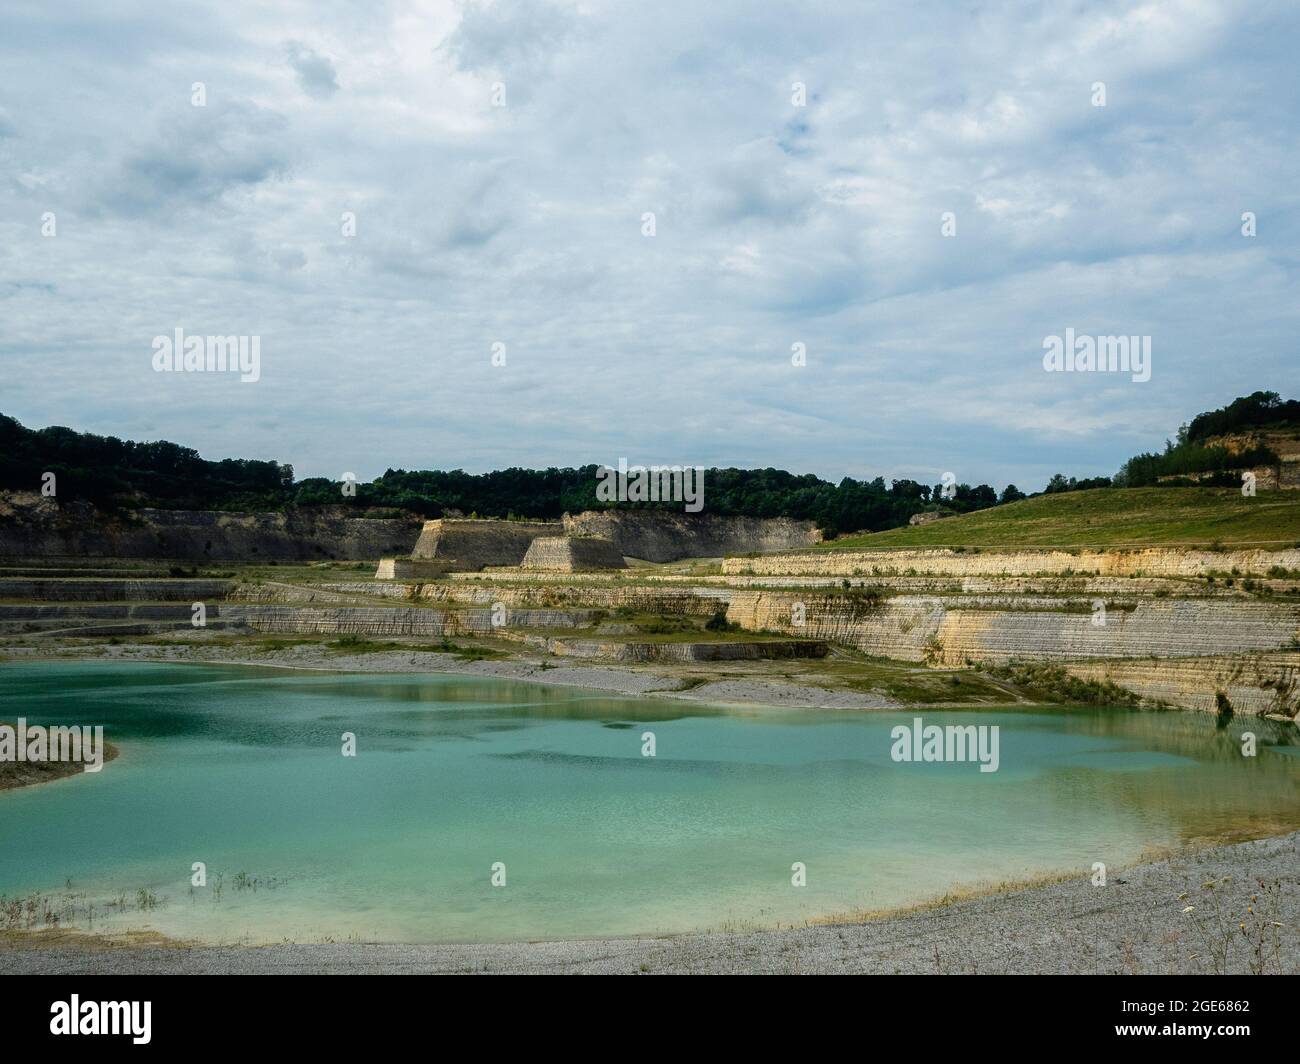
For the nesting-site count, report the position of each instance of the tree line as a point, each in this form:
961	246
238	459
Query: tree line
116	474
121	475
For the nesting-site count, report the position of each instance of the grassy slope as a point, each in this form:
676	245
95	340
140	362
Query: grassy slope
1110	517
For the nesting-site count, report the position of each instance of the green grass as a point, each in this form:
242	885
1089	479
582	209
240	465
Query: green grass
1054	684
909	683
1109	517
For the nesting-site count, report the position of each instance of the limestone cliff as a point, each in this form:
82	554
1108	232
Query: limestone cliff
1149	561
1253	683
954	630
572	554
472	543
659	536
35	527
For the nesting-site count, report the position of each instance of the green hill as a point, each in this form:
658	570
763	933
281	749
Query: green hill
1109	517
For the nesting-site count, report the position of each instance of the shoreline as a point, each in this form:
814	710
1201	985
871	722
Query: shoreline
965	930
613	680
1229	908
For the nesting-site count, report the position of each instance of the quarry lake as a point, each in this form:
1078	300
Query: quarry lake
241	769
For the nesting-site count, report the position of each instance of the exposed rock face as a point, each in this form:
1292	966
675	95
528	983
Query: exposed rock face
572	554
1284	475
469	544
1151	561
113	590
35	527
657	536
398	620
1285	443
1253	683
407	569
926	516
695	602
950	631
472	543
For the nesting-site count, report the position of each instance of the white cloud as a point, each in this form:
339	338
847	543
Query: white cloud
522	223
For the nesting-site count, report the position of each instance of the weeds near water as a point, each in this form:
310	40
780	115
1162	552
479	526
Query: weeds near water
467	653
243	881
355	644
38	911
1229	923
1054	683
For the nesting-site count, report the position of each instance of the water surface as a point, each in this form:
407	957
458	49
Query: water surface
240	768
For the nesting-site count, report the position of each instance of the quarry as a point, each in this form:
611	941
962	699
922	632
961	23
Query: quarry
684	605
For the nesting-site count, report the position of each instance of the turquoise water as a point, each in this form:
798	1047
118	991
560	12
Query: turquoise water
240	768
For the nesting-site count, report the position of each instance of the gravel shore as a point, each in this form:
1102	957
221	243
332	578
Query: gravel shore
614	680
1186	914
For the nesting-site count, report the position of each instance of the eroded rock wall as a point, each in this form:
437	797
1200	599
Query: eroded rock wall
953	631
1252	683
34	527
1152	561
658	536
473	543
572	554
396	620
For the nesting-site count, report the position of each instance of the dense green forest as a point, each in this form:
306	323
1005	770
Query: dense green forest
1212	464
110	472
121	474
1257	410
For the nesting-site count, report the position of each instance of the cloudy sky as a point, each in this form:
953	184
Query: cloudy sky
500	159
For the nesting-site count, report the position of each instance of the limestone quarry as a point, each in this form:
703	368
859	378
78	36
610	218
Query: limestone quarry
1176	626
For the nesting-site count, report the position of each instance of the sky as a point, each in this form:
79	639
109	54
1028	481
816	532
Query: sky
647	207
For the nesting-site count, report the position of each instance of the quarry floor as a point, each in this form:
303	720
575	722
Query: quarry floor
835	684
1185	914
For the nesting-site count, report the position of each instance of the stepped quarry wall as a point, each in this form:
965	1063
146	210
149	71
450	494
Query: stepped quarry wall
690	601
1150	561
572	554
114	590
101	612
395	620
35	527
1253	683
702	602
659	536
472	543
970	585
950	632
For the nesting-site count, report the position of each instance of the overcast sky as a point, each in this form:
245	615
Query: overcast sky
774	224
